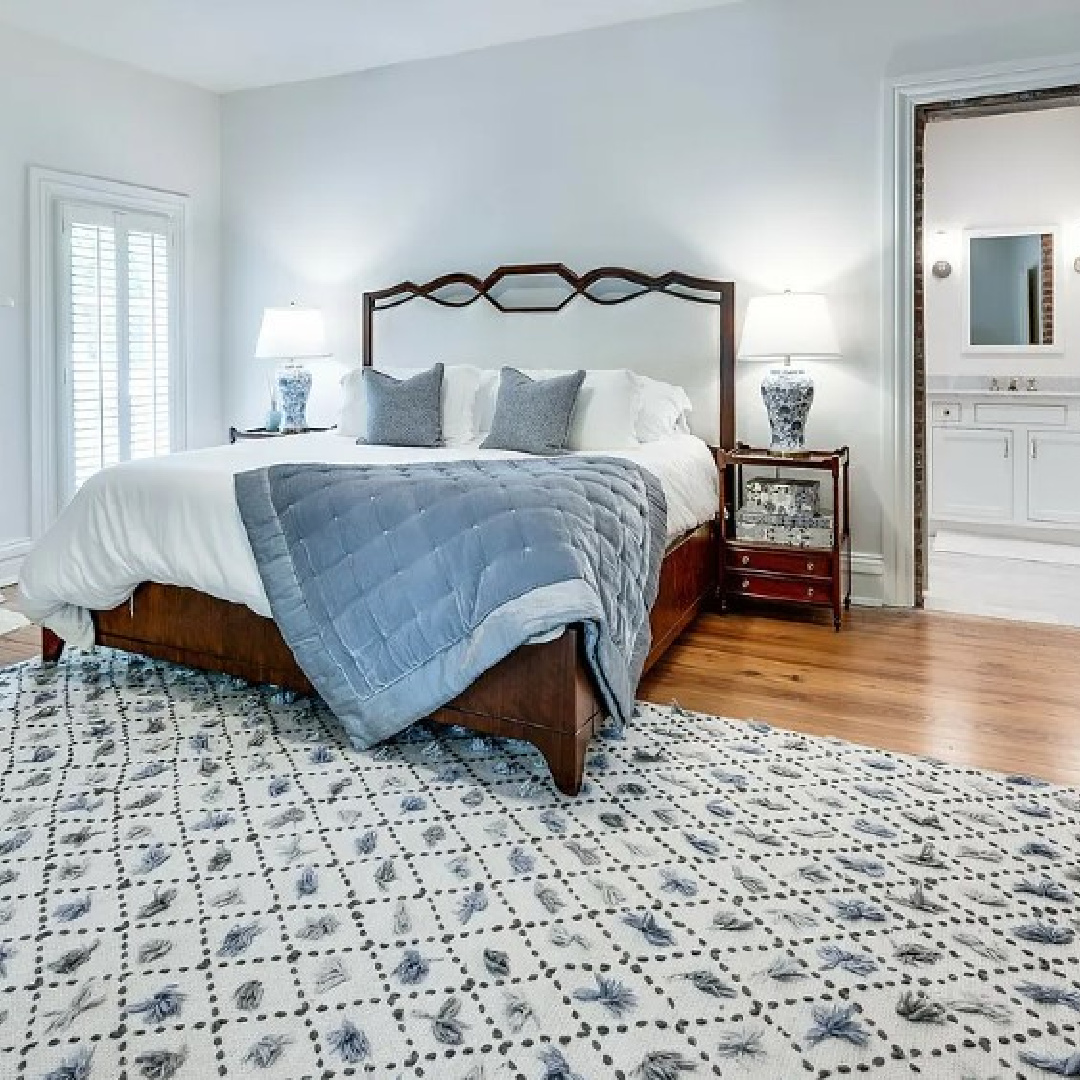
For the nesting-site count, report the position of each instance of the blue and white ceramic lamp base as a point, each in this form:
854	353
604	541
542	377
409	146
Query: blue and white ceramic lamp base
293	387
788	394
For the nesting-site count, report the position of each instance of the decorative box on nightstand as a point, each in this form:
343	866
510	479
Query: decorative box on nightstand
776	541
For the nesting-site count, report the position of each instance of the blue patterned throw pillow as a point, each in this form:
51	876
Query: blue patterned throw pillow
533	416
404	412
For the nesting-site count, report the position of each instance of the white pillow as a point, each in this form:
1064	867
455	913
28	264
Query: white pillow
486	394
459	391
665	410
605	413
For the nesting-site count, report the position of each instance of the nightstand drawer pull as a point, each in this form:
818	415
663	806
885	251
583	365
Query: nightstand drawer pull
746	583
810	592
746	560
809	567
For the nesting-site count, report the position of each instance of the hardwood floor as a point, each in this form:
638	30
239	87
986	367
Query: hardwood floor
20	644
978	692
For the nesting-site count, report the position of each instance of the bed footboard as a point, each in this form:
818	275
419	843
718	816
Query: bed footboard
52	646
543	693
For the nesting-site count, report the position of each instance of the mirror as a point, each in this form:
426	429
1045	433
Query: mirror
1011	290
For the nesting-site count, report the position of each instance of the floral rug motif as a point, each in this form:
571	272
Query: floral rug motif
200	879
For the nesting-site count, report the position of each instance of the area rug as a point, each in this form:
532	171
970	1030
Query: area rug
200	879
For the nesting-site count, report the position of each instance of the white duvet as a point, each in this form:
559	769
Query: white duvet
174	520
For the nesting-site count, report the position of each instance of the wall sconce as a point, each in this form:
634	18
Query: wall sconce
941	252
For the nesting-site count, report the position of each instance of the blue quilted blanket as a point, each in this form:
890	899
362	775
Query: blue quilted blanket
396	586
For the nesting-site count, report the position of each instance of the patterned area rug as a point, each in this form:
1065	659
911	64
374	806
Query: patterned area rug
198	880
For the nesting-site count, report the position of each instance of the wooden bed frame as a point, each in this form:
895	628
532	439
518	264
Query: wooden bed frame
541	693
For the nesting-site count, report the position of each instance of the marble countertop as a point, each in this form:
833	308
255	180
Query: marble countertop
1002	395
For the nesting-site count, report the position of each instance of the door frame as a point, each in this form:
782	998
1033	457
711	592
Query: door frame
908	103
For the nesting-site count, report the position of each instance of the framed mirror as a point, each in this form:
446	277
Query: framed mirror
1011	298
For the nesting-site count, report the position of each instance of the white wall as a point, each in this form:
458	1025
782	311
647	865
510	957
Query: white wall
1016	170
64	110
743	142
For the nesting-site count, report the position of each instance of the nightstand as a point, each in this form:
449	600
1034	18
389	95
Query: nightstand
760	569
236	434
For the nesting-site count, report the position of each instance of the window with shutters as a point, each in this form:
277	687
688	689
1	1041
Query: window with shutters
118	308
108	329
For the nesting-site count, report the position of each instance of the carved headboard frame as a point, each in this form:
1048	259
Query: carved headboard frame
459	290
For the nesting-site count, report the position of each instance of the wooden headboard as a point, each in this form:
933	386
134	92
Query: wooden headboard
605	286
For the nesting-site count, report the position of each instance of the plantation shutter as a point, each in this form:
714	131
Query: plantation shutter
119	304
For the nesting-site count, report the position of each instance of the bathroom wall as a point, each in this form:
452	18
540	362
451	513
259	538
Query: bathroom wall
1016	170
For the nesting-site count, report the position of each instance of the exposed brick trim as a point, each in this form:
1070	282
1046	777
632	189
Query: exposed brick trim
1046	297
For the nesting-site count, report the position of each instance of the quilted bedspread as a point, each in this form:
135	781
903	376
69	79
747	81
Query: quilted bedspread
396	586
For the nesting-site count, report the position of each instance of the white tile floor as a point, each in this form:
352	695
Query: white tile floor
1008	579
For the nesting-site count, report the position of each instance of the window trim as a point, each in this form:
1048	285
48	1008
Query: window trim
49	190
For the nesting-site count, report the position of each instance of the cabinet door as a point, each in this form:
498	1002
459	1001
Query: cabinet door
1054	476
971	475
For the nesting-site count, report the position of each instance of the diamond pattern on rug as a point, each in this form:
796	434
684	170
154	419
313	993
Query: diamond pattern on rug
200	878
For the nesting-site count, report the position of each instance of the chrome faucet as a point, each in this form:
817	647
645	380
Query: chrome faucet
994	384
1031	383
1014	384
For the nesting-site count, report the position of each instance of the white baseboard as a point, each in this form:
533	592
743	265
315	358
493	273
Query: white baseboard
867	579
12	553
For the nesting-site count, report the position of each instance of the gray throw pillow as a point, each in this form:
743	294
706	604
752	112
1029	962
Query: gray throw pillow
533	416
403	412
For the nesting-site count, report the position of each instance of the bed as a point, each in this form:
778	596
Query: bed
205	608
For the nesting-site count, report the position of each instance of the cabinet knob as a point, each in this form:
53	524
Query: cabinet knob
809	567
746	583
810	591
746	560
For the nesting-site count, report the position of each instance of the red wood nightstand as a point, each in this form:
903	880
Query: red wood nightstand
760	570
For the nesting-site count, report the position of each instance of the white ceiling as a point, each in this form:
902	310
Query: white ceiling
226	45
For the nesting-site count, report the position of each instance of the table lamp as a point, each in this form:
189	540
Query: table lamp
292	334
784	326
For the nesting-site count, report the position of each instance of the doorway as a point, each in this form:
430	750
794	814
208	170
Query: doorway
992	427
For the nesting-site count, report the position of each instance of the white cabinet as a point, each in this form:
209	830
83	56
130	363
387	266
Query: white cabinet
972	474
1008	462
1054	477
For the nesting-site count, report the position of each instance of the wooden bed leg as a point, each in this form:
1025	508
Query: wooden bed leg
565	755
52	646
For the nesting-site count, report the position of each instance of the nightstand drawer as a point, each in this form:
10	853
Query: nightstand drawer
804	563
766	587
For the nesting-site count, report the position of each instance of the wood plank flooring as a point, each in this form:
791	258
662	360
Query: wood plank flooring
19	644
978	692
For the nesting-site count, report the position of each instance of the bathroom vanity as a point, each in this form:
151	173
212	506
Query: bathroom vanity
1004	458
1003	451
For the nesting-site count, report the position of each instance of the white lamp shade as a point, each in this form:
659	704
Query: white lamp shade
291	333
788	324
